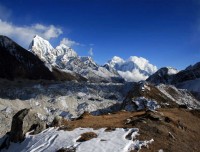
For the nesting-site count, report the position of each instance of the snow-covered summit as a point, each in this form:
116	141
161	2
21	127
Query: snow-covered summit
133	69
62	49
115	61
58	56
43	49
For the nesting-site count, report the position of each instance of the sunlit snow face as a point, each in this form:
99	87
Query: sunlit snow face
133	69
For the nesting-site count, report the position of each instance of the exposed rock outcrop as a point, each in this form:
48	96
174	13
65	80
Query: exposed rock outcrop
26	120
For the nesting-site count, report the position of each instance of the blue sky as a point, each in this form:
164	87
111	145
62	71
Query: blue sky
167	33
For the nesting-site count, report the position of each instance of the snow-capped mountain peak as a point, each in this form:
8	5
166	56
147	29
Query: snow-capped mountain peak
115	60
133	69
171	71
43	49
62	49
57	57
143	64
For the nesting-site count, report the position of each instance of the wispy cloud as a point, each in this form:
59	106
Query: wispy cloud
5	13
90	52
24	34
91	44
69	42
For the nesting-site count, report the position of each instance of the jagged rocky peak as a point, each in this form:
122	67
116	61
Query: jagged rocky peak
164	75
43	49
5	41
167	71
87	60
192	67
54	56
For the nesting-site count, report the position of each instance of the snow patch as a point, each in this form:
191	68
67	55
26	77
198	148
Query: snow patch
120	140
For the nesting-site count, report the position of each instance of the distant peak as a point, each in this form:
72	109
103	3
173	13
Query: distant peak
168	70
116	58
38	37
62	46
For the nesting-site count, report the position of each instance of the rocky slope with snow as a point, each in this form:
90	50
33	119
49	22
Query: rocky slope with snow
133	69
172	76
185	79
164	75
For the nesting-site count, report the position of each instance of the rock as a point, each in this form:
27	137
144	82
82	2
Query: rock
24	121
70	149
87	136
57	121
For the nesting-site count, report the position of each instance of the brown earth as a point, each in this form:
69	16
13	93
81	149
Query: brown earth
173	129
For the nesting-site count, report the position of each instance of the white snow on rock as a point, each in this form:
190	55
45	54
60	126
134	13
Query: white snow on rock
133	69
180	96
172	71
142	103
65	58
57	57
42	48
51	140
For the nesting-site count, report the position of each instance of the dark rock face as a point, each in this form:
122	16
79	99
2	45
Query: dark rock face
24	121
162	76
190	73
16	62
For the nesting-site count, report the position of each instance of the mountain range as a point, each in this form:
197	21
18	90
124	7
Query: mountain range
62	61
42	61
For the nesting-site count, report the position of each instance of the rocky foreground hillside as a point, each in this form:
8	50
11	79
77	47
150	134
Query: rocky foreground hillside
160	117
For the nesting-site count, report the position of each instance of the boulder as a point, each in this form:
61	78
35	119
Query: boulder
24	121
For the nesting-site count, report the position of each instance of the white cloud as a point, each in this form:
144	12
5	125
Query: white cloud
143	64
68	42
90	52
24	34
133	76
133	69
